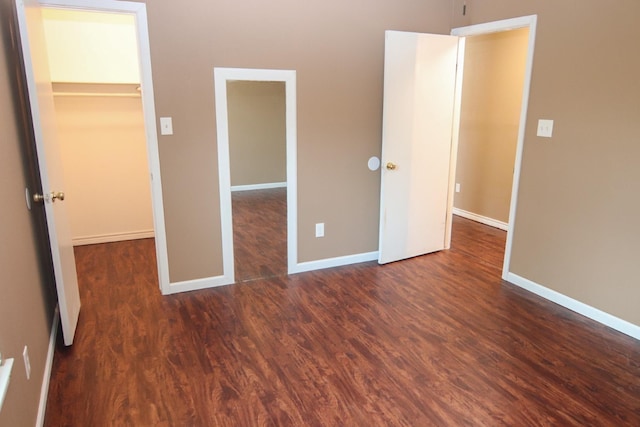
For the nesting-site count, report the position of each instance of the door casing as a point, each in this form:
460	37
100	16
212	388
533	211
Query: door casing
221	77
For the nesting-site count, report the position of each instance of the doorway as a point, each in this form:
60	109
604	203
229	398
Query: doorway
258	160
38	85
424	67
492	90
225	78
524	22
131	89
93	63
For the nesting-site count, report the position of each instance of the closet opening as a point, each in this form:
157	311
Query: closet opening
96	82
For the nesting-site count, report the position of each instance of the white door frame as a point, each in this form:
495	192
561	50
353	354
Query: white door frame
486	28
148	105
221	77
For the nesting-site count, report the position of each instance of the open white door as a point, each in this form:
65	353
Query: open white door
419	91
44	126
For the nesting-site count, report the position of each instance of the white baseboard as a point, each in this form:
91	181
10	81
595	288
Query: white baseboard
46	378
112	237
577	306
213	282
258	186
333	262
481	219
197	284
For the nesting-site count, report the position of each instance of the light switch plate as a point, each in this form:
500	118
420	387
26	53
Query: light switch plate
166	126
545	128
27	363
320	229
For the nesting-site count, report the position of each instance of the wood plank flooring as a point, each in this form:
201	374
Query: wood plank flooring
436	340
259	233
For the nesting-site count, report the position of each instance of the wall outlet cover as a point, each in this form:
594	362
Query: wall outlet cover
545	128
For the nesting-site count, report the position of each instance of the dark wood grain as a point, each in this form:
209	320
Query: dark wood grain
259	233
436	340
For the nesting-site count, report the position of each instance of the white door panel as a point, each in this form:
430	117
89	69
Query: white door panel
419	89
44	126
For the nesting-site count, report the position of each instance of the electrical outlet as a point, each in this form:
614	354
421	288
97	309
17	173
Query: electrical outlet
27	364
320	229
545	128
457	187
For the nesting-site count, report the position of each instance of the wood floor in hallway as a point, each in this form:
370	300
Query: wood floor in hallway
436	340
259	233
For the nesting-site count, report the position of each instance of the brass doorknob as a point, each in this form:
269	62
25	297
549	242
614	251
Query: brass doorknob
53	196
391	166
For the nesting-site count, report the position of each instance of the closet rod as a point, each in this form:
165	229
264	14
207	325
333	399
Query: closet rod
102	94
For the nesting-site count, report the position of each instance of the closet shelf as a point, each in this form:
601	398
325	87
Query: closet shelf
94	94
114	90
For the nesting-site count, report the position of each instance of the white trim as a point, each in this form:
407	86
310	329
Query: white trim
506	25
455	137
46	376
334	262
481	219
577	306
224	173
112	237
221	76
251	187
495	26
139	10
5	377
197	284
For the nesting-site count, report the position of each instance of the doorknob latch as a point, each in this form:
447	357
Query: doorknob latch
391	166
53	196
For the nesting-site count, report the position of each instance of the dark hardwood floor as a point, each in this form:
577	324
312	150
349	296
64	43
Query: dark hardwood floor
436	340
259	233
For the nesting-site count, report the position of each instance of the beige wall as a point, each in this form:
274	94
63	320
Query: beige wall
494	66
577	228
337	49
257	137
104	156
26	306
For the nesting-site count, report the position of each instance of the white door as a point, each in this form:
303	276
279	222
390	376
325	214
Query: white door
419	91
44	126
